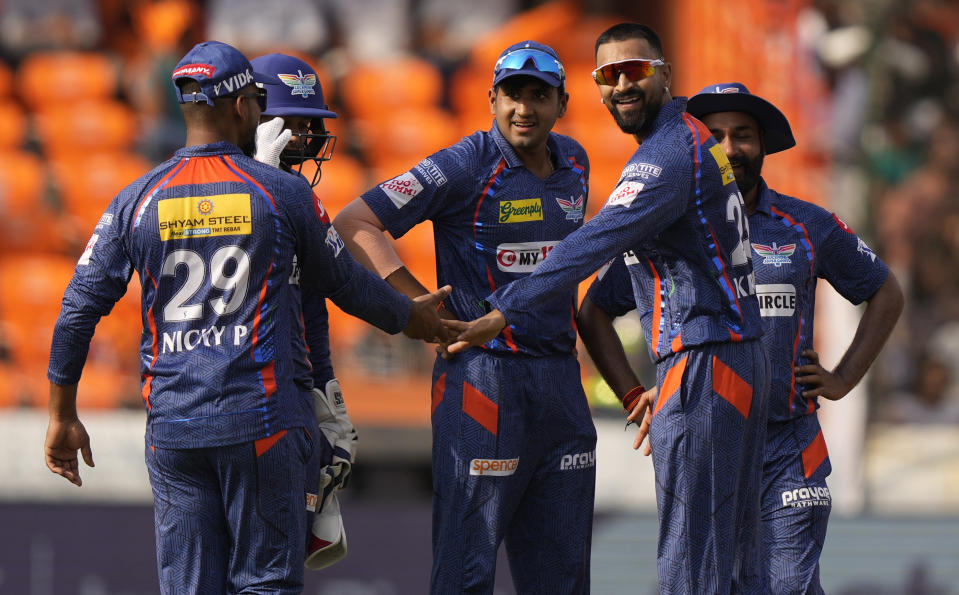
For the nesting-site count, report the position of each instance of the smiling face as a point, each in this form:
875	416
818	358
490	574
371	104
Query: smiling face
739	135
526	109
634	104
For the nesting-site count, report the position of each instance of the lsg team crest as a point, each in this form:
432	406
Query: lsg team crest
775	255
302	84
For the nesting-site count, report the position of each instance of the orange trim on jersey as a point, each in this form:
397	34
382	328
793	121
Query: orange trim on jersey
677	344
696	126
480	408
248	179
729	284
671	383
728	385
265	444
657	305
734	336
147	195
814	454
259	306
436	395
268	377
151	323
205	170
489	184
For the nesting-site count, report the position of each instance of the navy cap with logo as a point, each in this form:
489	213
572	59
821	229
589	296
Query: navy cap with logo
735	97
530	58
295	90
220	69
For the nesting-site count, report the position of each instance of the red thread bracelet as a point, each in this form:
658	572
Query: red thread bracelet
630	398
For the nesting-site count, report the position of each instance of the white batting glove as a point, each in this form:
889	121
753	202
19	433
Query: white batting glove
271	139
339	431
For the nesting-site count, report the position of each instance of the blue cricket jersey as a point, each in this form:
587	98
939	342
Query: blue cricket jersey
212	234
794	244
494	221
678	217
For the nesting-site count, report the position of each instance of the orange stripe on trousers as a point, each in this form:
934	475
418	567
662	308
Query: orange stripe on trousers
674	378
436	397
480	407
728	385
265	444
814	454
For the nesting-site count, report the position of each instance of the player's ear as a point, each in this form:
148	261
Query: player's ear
492	101
563	102
667	70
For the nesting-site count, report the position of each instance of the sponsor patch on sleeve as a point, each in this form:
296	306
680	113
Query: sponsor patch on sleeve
725	169
334	241
106	220
88	251
624	194
431	172
402	189
204	216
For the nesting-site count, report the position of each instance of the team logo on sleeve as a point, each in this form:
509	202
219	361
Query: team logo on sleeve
402	189
865	250
334	241
518	211
301	84
572	207
204	216
624	194
725	169
775	255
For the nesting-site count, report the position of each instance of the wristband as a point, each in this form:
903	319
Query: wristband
630	398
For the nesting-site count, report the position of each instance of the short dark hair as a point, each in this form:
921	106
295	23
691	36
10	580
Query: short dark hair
515	82
624	31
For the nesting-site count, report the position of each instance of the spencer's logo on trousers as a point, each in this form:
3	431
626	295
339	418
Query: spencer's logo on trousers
493	466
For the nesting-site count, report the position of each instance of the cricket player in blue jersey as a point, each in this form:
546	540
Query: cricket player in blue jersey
212	234
291	133
513	440
677	221
795	243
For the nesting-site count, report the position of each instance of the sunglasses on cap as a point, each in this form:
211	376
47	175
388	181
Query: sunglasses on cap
260	96
544	62
635	70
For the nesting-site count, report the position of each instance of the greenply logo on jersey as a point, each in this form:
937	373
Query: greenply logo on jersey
517	211
725	169
204	216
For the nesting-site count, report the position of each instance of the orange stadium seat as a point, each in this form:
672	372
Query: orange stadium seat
540	23
27	220
344	179
469	96
64	77
88	182
407	135
14	129
93	126
373	90
6	79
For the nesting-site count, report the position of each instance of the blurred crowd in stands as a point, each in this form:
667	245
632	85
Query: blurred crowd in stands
86	106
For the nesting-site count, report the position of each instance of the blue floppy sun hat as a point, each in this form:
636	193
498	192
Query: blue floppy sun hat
735	97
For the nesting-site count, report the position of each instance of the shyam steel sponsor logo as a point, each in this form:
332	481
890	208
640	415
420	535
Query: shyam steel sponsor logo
809	496
581	460
498	467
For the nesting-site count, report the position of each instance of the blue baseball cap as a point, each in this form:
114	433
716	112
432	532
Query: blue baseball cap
295	90
735	97
530	58
219	68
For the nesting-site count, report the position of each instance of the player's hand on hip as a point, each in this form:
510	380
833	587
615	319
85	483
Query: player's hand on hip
475	332
821	381
643	409
64	438
271	139
424	320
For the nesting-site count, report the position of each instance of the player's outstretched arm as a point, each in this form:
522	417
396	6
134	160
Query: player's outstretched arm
875	326
474	333
425	322
66	435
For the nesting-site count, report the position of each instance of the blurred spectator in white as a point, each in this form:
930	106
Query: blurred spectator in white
374	29
933	399
33	25
448	29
